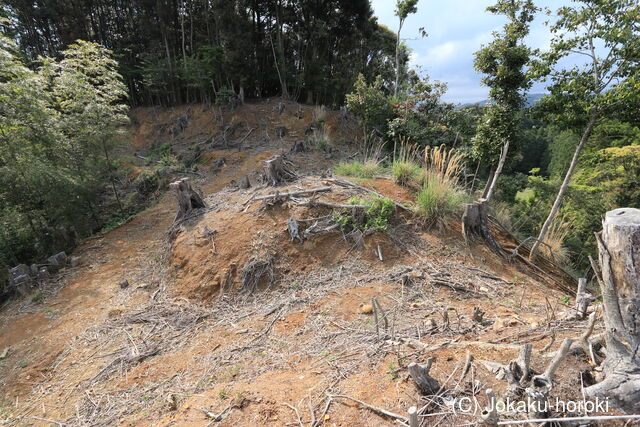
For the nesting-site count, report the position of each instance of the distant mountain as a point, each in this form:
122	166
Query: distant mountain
531	99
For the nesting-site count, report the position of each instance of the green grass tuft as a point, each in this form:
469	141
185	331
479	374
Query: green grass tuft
355	168
405	171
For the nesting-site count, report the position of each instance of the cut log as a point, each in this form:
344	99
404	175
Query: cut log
188	198
420	374
277	171
619	253
475	225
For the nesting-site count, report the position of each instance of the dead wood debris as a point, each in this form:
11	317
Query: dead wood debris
255	271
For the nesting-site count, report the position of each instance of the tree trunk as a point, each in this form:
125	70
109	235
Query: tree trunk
277	171
489	181
619	249
494	181
564	186
188	198
395	88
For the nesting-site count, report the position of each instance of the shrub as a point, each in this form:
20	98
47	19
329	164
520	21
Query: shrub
367	169
147	182
404	172
377	216
320	115
322	139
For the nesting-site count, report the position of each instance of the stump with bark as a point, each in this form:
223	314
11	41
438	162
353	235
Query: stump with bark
619	253
475	225
188	198
277	170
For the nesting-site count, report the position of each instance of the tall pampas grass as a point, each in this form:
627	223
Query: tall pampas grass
441	194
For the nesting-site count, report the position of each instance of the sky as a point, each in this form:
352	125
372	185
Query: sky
456	29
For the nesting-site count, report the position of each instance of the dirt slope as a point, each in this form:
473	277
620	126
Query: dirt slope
183	345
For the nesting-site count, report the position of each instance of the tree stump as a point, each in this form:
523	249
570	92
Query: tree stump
245	183
281	131
475	225
277	171
188	198
298	147
619	253
420	375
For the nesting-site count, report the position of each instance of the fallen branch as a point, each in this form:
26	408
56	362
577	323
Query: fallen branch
292	193
379	411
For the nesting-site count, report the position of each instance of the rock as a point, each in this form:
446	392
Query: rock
20	277
57	261
124	284
74	261
43	275
366	308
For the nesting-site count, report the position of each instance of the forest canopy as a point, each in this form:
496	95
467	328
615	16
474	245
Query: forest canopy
172	52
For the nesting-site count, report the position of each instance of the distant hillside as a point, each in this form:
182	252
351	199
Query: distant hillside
531	99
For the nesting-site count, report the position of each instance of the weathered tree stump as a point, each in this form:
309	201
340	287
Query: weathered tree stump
420	375
188	198
245	183
298	147
619	252
281	131
475	225
583	299
277	171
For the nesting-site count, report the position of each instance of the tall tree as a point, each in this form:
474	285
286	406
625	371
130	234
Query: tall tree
503	61
403	9
604	33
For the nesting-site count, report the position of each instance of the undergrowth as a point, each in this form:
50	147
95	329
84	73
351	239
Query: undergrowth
358	169
377	216
440	195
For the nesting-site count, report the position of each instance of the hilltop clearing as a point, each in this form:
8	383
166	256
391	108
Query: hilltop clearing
230	317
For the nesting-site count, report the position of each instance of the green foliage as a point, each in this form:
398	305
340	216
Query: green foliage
377	216
36	297
503	62
147	182
59	123
179	52
370	105
405	171
436	200
355	168
607	83
405	7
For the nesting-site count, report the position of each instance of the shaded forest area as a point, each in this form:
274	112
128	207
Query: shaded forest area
172	52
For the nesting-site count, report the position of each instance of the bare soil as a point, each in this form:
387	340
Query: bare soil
184	345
